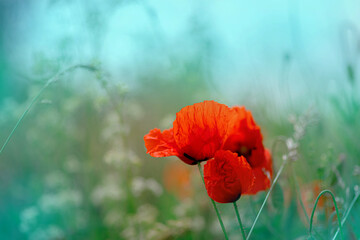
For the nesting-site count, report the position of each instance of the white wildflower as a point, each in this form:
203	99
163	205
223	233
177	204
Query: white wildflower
72	164
109	189
154	187
28	218
60	200
113	218
55	179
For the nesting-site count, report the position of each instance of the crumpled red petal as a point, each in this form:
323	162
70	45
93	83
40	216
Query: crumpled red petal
161	144
200	129
245	136
227	176
263	175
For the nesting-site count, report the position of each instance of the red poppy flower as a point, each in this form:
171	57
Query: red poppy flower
227	176
229	139
198	132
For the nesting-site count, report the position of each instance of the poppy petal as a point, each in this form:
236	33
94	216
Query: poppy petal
263	175
227	176
245	136
200	129
161	144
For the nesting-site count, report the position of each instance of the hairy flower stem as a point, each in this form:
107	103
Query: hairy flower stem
336	209
214	204
266	198
239	220
50	81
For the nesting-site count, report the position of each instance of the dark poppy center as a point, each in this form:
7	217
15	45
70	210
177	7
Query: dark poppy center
244	151
193	159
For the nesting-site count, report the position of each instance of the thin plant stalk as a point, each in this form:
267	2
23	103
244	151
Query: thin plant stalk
214	205
50	81
297	186
347	214
239	220
21	118
336	209
266	198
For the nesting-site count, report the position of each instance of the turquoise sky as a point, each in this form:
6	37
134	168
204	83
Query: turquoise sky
257	43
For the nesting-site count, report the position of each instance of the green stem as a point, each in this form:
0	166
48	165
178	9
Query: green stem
214	204
336	208
347	214
267	196
50	81
239	220
21	118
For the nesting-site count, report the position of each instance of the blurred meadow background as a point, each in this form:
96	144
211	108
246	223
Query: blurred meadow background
103	73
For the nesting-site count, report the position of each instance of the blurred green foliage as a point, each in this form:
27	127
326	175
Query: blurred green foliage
76	167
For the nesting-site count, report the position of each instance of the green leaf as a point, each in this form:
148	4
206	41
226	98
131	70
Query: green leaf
351	74
277	198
